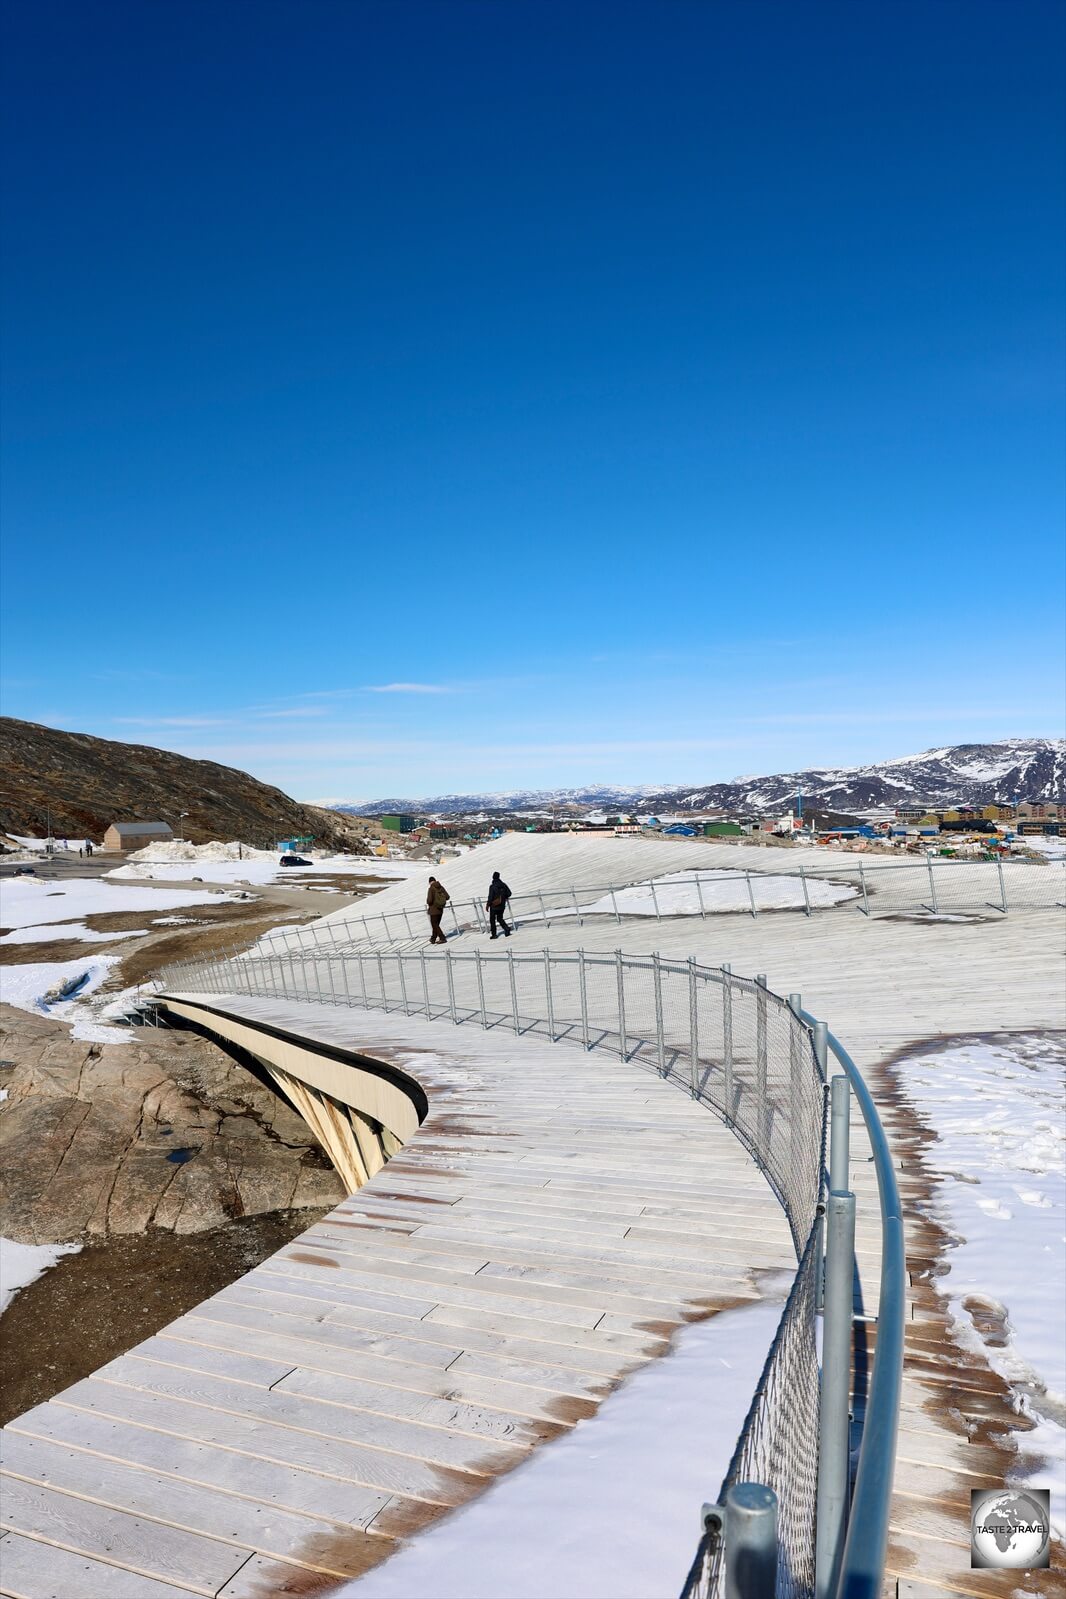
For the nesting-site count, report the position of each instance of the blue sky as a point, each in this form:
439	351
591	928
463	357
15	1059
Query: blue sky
405	398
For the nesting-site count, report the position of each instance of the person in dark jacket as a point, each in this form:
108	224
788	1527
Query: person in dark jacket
436	899
496	904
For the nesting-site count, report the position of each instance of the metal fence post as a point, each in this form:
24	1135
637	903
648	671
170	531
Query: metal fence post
548	995
693	1029
839	1132
820	1036
543	911
451	986
481	989
1002	887
614	903
655	899
932	885
797	1038
362	978
833	1411
381	981
806	890
865	896
403	985
751	1542
727	1040
620	977
762	1097
583	991
425	980
347	990
747	1523
751	893
699	896
514	990
660	1036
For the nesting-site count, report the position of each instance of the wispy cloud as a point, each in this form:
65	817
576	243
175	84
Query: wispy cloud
173	721
409	688
299	711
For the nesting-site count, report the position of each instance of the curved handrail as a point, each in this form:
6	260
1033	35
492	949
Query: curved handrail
933	893
666	1028
864	1551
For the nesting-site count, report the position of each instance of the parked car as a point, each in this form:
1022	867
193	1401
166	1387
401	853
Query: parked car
294	860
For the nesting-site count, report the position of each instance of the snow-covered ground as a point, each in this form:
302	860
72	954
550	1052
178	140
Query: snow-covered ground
22	1264
27	904
611	1509
679	894
28	986
238	863
1044	844
998	1110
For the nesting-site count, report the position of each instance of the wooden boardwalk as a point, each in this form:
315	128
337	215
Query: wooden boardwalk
554	1220
539	1237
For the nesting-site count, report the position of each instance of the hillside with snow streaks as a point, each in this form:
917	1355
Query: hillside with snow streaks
963	774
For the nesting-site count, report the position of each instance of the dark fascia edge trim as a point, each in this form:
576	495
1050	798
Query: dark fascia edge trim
315	1046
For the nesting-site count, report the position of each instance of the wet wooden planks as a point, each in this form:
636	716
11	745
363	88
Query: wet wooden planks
542	1235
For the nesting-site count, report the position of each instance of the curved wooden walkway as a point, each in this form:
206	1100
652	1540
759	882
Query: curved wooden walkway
554	1219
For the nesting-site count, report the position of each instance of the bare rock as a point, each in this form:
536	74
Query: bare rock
166	1131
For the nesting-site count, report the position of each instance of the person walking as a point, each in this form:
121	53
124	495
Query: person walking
436	899
496	904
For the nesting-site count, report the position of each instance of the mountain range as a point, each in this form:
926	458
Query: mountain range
961	774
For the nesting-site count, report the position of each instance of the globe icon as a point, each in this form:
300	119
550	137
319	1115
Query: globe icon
1010	1530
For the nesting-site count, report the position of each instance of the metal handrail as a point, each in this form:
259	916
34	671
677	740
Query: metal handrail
643	1035
578	904
867	1540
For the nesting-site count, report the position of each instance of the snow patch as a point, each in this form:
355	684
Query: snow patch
611	1509
997	1110
22	1264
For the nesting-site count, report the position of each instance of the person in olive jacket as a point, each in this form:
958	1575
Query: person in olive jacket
436	899
496	904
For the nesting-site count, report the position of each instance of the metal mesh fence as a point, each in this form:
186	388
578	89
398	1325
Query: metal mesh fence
912	888
724	1039
775	1446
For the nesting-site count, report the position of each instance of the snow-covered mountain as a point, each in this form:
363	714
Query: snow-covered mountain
519	799
964	774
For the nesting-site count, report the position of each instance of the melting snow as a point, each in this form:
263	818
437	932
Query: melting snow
1001	1154
22	1264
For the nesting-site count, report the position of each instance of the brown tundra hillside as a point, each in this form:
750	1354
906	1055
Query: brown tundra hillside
86	783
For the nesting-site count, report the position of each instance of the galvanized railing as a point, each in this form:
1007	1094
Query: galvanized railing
761	1062
926	888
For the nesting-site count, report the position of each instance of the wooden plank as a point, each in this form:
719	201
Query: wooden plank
220	1469
332	1457
435	1350
184	1559
321	1545
284	1409
468	1308
521	1398
477	1421
35	1570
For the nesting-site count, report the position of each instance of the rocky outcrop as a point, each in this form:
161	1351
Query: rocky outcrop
101	1138
79	785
